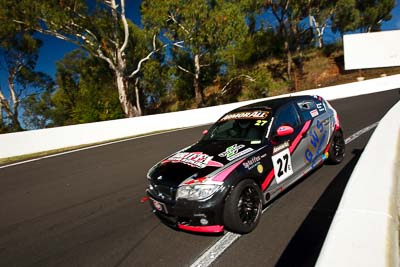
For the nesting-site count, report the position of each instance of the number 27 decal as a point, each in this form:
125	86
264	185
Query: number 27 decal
282	165
260	122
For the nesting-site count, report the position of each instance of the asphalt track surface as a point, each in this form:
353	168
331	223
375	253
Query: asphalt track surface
84	208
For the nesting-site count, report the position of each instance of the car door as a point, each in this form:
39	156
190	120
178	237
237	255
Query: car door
285	163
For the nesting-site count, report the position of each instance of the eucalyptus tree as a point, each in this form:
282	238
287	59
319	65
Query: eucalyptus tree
18	58
203	29
101	28
319	14
290	16
363	15
373	13
346	16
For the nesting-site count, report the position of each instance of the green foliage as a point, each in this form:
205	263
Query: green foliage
373	13
85	91
346	16
154	82
205	29
37	110
263	44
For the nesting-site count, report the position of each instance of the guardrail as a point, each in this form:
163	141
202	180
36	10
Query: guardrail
21	143
365	229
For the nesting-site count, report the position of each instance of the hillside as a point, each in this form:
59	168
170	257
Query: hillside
320	68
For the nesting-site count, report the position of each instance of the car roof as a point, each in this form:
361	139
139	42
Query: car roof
272	104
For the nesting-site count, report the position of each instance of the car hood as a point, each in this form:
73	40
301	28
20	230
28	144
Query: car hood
199	160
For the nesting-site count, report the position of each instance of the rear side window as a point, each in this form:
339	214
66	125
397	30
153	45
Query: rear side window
310	108
306	105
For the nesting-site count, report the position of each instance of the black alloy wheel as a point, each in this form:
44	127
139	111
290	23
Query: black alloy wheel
337	148
243	207
249	205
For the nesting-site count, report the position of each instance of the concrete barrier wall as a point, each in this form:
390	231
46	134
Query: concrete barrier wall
16	144
365	229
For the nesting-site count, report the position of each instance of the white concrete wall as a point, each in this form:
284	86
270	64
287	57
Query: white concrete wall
365	229
15	144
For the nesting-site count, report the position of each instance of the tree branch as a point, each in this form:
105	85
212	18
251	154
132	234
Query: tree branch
125	24
185	70
172	17
5	104
101	55
251	79
155	50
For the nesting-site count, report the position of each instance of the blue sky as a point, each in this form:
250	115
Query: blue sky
54	49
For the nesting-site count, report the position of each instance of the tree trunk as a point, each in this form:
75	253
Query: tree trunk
137	96
289	60
320	41
196	82
15	122
129	109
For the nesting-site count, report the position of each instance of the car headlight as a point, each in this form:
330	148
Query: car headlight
196	192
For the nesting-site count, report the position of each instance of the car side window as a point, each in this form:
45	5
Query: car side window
287	116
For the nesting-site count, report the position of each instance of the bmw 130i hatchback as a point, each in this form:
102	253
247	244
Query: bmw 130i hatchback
248	157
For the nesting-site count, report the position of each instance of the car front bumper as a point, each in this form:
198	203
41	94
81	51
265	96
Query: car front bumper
194	216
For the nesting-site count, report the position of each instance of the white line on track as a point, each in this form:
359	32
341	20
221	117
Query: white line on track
212	253
354	136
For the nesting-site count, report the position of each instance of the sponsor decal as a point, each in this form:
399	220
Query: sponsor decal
314	113
196	181
260	122
280	147
193	159
320	107
318	138
233	152
260	168
253	162
282	165
257	114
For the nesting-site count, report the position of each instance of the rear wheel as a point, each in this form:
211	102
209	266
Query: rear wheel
337	148
243	207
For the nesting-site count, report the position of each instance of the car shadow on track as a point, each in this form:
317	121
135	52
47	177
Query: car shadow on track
306	244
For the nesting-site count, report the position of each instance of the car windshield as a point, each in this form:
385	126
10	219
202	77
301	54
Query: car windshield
240	127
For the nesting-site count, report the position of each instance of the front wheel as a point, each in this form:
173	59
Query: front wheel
243	207
337	148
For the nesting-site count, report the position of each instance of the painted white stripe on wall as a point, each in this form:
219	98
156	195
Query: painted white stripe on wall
15	144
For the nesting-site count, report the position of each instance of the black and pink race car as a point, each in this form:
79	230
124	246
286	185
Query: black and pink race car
243	161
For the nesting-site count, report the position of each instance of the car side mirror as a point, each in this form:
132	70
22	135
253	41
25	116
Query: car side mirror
284	130
205	132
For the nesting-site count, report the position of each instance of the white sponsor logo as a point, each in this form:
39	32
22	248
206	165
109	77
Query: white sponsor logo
233	152
258	114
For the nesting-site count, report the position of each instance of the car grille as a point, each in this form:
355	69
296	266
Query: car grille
162	191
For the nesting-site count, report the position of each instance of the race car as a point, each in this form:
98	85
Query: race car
242	162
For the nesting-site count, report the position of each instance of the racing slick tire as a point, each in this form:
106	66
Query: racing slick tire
243	207
337	148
